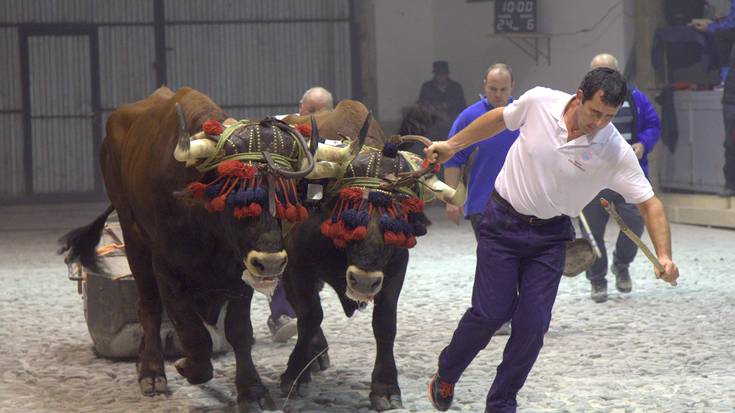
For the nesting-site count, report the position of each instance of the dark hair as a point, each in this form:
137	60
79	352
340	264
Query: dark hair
611	82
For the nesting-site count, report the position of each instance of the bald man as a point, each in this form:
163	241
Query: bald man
315	100
638	123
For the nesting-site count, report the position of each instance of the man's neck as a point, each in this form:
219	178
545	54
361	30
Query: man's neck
570	120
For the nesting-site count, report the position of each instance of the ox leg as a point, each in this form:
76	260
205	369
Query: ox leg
385	394
151	373
305	301
196	342
252	395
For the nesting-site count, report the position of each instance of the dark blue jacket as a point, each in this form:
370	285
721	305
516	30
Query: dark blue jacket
488	162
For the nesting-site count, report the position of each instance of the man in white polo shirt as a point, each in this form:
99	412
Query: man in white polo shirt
566	153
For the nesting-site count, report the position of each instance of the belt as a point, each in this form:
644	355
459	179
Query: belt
529	219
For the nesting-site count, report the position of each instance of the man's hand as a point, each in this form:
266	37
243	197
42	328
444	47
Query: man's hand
701	24
453	213
439	152
639	149
671	271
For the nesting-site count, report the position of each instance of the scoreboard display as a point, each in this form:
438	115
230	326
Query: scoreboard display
515	16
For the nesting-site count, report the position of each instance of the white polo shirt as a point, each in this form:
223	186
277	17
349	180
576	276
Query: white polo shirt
546	176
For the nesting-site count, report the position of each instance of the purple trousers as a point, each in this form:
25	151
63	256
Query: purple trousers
279	304
519	267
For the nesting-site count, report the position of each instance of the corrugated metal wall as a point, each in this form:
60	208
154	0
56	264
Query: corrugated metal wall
11	116
252	57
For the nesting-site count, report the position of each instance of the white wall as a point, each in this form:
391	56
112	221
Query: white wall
413	33
405	50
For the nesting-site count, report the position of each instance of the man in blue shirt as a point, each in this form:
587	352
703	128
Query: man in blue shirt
637	121
490	156
498	84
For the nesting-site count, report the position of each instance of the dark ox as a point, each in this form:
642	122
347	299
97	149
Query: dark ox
187	255
356	240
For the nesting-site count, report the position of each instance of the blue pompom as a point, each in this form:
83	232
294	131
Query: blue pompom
213	190
363	219
419	229
350	218
379	199
390	150
260	196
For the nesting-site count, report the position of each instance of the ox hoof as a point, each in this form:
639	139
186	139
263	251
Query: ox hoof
321	363
151	386
389	402
289	389
195	372
265	403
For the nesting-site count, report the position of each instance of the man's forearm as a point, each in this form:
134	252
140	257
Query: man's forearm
657	226
489	124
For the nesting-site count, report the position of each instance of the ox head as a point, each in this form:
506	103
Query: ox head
249	174
377	211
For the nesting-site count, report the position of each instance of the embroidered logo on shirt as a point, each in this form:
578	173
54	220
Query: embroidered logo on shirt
577	164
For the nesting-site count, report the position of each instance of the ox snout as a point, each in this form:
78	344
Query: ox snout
363	285
262	269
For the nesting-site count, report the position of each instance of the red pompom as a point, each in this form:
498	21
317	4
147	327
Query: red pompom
304	129
255	210
236	168
350	194
218	203
212	127
239	212
303	213
412	205
280	211
292	214
325	227
391	238
196	189
359	233
425	165
410	242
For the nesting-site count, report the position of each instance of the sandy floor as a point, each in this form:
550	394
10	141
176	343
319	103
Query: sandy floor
658	349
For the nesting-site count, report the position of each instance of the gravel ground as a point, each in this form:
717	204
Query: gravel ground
657	349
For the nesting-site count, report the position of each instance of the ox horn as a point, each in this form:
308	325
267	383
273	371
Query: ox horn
446	193
188	150
346	154
314	137
293	174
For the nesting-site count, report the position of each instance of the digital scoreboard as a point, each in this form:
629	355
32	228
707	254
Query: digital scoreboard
515	16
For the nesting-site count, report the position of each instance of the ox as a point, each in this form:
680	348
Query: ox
192	235
357	240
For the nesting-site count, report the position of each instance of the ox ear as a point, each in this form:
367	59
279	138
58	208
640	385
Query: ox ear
446	193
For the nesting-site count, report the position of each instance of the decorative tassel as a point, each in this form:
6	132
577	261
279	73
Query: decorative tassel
212	127
304	129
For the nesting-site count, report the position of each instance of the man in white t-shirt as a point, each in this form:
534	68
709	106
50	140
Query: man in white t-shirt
567	152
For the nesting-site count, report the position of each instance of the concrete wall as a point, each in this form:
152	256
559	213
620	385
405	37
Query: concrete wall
413	33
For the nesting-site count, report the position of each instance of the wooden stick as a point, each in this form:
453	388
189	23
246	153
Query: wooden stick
586	227
610	208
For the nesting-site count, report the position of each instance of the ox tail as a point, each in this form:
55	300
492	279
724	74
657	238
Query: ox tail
81	243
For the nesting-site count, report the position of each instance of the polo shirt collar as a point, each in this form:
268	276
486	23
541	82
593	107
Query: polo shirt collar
558	114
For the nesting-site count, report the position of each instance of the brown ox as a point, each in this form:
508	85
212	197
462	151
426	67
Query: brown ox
345	119
185	259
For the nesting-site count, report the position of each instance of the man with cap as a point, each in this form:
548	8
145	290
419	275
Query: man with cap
444	94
